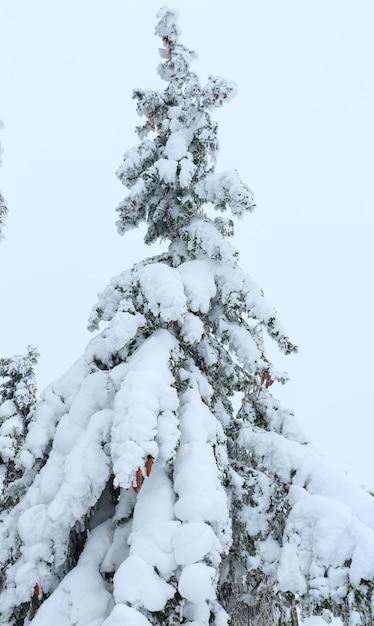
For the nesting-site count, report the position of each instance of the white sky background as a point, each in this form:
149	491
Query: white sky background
300	132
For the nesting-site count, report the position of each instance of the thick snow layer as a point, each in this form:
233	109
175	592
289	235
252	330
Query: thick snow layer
199	284
167	170
198	424
324	532
7	410
81	598
201	497
196	583
192	329
70	482
110	299
55	402
134	162
7	450
146	392
226	188
119	548
177	144
288	458
123	328
168	435
193	541
153	543
243	344
204	240
154	524
123	615
330	523
137	583
163	290
187	170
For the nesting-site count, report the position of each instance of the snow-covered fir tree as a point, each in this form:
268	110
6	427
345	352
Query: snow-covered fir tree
155	500
3	207
17	400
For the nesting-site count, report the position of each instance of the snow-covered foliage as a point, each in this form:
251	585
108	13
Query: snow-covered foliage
154	499
17	399
3	207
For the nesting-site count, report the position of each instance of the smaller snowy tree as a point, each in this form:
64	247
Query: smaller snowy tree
17	400
3	207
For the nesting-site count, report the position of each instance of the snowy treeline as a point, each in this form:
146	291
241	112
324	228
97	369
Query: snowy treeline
146	496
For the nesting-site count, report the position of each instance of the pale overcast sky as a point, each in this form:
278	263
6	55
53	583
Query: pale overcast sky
300	132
